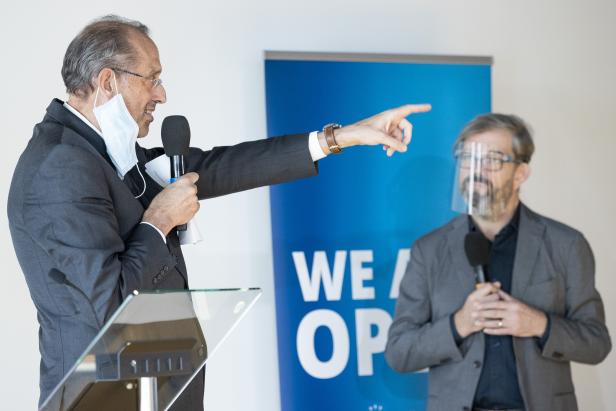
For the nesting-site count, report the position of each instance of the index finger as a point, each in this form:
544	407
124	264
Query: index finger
505	296
494	305
409	109
487	298
407	130
484	289
192	177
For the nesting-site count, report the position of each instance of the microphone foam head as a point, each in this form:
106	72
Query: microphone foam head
477	248
175	134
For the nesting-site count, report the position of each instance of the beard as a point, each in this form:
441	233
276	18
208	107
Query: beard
488	202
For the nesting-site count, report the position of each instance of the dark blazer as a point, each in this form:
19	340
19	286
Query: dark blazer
554	271
74	221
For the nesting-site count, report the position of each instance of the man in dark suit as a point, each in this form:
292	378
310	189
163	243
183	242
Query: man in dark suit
89	225
506	344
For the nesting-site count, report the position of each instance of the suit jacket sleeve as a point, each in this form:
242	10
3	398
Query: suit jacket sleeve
416	340
70	214
224	170
580	334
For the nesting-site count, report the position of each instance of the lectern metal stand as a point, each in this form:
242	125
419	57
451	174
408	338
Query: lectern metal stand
149	351
148	394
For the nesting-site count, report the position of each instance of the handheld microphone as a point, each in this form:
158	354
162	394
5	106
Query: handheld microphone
175	134
477	249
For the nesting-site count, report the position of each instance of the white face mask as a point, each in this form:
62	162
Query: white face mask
119	131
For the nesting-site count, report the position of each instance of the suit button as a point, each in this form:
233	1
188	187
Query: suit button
477	364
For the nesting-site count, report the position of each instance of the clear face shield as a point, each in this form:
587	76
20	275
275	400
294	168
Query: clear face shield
481	186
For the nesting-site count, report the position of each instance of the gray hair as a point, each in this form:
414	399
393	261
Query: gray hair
523	146
103	43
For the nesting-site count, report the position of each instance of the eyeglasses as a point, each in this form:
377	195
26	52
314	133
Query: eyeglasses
156	82
490	161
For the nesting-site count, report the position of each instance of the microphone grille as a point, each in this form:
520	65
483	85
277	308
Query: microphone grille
477	248
175	133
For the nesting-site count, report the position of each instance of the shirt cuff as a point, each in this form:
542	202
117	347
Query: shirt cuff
156	228
546	333
316	152
456	336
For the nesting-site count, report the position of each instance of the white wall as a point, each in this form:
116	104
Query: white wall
554	66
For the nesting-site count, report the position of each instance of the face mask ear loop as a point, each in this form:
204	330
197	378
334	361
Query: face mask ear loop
144	183
98	89
116	84
95	98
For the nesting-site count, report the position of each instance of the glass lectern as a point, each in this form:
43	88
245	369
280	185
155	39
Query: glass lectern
150	349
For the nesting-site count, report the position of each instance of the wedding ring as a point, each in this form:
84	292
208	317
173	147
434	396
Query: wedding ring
500	324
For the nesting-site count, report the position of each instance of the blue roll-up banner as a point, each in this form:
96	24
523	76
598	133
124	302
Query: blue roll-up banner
341	241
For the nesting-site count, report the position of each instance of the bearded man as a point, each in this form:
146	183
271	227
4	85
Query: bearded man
505	340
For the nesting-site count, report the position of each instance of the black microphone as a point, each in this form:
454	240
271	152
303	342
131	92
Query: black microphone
175	134
477	249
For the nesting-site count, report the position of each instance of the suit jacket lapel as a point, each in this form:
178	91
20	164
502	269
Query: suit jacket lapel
132	182
77	127
61	114
530	238
455	245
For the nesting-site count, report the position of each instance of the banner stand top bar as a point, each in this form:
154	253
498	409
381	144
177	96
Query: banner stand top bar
377	57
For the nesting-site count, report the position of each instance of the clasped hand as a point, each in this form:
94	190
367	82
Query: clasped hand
493	311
